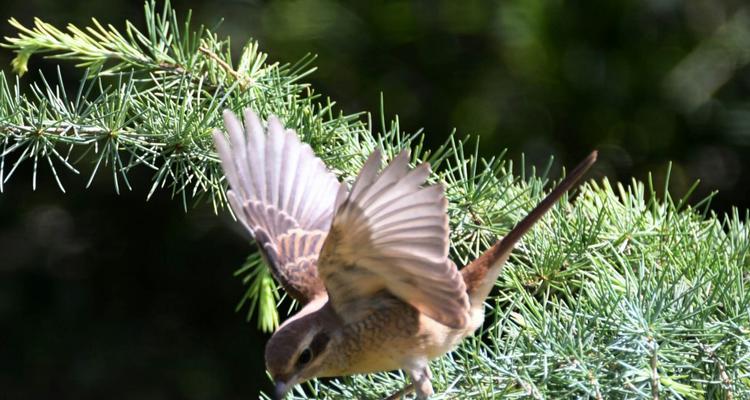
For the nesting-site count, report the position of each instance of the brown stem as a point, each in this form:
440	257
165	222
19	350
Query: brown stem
401	393
223	65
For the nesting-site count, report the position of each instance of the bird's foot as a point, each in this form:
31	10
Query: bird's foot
421	380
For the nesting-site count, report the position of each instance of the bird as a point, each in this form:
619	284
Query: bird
369	264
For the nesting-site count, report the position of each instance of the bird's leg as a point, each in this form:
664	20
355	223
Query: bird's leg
421	377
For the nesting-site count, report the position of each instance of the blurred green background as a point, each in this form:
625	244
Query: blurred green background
110	296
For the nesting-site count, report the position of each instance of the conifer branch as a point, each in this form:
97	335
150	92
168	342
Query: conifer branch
617	294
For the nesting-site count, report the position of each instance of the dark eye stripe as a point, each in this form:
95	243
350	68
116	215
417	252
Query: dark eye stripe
317	346
319	343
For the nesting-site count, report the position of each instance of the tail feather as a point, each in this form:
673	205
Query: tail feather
480	274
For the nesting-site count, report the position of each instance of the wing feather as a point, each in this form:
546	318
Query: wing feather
283	194
391	233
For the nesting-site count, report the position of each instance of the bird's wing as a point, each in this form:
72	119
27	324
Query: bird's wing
283	194
391	233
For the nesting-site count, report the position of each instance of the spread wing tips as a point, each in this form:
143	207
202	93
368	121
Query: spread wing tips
252	121
367	175
225	156
395	227
234	128
278	187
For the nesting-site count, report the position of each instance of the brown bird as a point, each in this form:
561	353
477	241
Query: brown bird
369	265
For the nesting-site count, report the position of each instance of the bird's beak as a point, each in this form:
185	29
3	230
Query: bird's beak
280	390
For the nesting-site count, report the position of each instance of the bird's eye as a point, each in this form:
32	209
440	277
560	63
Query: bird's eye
305	357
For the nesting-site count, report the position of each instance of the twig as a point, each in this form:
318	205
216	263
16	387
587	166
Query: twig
240	78
401	393
725	379
655	382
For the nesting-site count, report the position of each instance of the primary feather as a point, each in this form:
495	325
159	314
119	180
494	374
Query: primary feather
283	194
391	233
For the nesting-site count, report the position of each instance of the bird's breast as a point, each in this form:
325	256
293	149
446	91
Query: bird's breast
388	337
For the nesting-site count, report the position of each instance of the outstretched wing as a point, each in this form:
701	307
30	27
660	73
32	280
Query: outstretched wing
391	233
283	194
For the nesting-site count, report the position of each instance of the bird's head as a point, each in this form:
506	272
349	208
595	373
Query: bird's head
298	349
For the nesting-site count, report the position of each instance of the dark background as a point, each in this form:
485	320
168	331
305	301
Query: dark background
111	296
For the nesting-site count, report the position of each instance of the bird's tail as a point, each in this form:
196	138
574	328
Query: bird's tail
480	274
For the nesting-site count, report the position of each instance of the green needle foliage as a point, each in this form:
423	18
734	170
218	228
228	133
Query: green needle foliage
616	294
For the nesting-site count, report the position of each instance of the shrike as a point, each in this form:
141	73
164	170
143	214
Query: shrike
369	264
